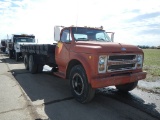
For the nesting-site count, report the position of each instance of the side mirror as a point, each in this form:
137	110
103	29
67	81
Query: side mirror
111	35
57	31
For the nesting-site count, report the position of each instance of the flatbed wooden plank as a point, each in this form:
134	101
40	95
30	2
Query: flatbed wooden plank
42	49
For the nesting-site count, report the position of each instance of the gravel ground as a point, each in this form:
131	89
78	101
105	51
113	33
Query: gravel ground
153	86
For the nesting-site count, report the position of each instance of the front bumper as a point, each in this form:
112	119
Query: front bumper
117	80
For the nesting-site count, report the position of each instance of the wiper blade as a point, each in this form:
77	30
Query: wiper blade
82	39
101	39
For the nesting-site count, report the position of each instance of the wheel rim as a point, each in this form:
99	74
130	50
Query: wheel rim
77	84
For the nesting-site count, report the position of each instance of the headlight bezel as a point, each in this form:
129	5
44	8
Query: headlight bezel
140	58
102	64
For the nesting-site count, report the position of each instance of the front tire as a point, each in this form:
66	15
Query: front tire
80	88
17	56
10	54
32	65
127	87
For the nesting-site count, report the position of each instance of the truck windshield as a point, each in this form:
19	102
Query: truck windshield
90	34
24	40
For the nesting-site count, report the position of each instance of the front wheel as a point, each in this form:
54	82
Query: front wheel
10	54
17	56
80	88
127	87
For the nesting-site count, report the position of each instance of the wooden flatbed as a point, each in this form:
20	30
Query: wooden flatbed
43	54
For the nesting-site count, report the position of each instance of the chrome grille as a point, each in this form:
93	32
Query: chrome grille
121	62
122	57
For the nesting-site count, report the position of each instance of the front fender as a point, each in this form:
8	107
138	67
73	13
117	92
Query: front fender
86	63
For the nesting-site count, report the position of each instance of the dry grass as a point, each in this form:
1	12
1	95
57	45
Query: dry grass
152	63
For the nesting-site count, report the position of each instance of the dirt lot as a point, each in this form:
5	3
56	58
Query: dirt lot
24	96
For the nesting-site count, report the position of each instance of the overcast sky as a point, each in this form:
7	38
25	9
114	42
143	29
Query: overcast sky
134	22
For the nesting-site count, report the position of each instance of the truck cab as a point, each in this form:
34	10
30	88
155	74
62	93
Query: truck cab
16	41
90	59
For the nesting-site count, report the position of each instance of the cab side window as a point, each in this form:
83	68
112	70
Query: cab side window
66	37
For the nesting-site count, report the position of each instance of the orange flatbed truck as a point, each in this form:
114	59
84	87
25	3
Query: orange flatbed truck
89	58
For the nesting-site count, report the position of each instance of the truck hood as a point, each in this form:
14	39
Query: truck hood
105	47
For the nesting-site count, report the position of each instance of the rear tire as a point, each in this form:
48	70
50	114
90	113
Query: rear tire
32	65
26	62
127	87
40	68
80	88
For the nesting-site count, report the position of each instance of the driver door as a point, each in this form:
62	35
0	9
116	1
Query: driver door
62	52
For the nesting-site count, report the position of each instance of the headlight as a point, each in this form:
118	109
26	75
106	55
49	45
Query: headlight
101	60
102	64
139	61
139	58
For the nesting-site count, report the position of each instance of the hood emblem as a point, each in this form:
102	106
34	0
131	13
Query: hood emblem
123	49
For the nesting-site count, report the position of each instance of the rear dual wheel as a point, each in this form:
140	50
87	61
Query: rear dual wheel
26	62
31	65
40	68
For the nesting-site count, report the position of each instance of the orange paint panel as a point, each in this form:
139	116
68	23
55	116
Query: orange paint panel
117	80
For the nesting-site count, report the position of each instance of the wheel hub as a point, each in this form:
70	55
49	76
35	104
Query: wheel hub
77	84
